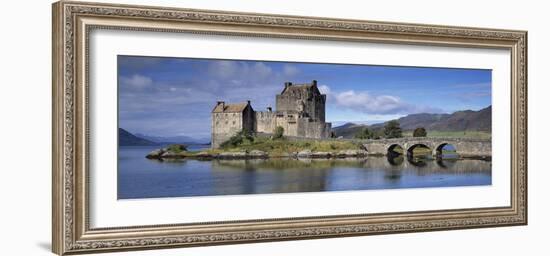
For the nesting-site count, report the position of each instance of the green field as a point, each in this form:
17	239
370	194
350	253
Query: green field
451	134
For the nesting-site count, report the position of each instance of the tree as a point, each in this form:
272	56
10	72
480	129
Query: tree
279	132
420	132
363	134
392	130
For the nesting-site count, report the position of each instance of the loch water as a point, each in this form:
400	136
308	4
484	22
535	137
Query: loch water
139	177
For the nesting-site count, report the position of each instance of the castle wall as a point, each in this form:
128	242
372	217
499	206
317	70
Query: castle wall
314	129
265	122
248	119
305	101
225	125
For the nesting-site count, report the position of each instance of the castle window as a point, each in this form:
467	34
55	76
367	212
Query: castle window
233	122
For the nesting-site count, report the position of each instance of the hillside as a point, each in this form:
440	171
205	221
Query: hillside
348	130
174	139
466	120
125	138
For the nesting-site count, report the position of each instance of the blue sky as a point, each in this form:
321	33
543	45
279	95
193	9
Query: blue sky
174	96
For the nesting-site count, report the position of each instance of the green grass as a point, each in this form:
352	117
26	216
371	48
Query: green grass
451	134
283	146
176	148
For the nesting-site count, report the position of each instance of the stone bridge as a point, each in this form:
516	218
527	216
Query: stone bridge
465	147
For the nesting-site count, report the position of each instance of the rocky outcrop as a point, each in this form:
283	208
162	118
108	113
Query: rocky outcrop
339	154
204	154
258	154
321	155
172	151
304	154
232	155
155	154
165	153
171	154
351	153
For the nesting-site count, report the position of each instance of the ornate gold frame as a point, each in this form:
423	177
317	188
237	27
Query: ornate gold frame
72	21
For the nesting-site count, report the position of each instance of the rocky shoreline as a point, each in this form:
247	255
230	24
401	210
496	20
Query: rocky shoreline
253	154
182	153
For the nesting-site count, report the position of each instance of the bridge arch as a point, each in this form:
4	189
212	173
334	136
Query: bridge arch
394	150
438	151
414	146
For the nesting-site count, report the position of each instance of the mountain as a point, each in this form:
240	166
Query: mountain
467	120
174	139
348	130
125	138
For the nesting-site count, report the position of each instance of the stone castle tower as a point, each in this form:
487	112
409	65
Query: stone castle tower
300	110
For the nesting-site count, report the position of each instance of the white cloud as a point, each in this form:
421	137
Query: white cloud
324	89
365	102
223	69
236	71
290	70
136	81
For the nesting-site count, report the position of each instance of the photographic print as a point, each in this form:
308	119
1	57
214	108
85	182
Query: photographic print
311	127
211	127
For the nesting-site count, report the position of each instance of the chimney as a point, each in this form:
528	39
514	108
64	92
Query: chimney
222	103
287	84
314	82
269	109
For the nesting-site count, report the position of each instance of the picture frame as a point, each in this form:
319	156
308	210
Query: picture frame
71	212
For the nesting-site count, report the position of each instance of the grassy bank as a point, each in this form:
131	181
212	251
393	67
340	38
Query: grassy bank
282	146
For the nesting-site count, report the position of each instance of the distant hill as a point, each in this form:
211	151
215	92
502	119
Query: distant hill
467	120
174	139
125	138
348	130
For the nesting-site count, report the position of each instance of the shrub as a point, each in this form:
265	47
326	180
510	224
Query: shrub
177	148
364	133
392	130
279	132
420	132
242	137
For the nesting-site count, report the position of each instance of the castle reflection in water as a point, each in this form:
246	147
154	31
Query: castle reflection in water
143	178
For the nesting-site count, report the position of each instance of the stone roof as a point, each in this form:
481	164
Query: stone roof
222	107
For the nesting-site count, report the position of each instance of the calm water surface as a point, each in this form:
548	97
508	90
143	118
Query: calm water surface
139	177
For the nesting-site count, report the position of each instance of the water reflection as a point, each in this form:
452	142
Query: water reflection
395	159
142	178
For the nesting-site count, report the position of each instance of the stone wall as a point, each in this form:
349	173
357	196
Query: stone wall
249	119
225	125
302	101
265	121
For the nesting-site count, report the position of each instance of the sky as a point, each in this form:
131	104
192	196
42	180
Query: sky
174	96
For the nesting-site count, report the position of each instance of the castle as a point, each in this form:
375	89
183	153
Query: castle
300	110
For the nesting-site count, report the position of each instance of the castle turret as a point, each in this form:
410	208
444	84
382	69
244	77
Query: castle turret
304	99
